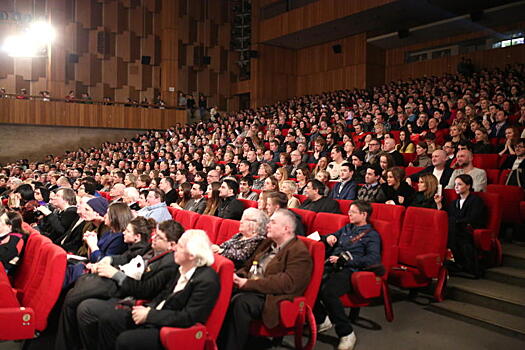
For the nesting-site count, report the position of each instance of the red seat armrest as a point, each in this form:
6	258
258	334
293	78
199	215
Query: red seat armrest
483	238
366	284
194	337
429	264
290	310
17	323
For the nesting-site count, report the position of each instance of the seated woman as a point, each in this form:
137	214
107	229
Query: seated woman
482	143
303	177
179	299
289	188
405	144
422	158
213	201
271	184
386	161
397	191
281	174
12	239
265	171
184	192
426	192
241	246
465	213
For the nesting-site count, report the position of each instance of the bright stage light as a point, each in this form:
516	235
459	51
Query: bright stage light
32	42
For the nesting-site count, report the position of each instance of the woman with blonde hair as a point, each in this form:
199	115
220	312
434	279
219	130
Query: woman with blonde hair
426	191
322	164
289	187
281	174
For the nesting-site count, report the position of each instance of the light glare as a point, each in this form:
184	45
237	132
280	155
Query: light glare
32	42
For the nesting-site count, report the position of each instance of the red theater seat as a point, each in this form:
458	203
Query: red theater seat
200	337
173	211
248	204
300	197
408	157
228	229
492	176
422	248
344	205
326	223
187	218
511	198
486	161
411	170
307	217
487	239
294	313
209	224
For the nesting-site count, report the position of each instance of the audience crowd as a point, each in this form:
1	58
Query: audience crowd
109	206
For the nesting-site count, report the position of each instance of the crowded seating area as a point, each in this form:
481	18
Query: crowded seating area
281	220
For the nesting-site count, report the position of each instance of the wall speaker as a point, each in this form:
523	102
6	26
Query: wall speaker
403	33
337	48
145	60
72	58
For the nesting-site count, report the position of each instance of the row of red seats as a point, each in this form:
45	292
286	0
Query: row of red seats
27	299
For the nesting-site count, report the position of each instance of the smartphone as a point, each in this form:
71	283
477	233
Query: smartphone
440	190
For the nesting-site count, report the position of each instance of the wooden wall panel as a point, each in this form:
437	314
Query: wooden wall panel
313	14
81	115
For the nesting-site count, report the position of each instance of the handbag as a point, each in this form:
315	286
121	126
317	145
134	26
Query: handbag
92	286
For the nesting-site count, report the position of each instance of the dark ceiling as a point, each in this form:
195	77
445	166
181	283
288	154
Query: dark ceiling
387	20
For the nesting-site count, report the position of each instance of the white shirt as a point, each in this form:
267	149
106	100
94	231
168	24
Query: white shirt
181	284
437	173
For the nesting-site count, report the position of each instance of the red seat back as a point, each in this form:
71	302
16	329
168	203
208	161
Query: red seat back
511	196
424	231
408	157
494	205
486	161
300	197
503	176
411	170
32	257
344	205
173	211
224	268
248	204
42	292
307	217
317	252
187	218
392	214
388	243
331	184
209	224
327	223
228	228
492	176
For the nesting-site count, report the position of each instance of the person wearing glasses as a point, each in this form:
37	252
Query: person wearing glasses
374	147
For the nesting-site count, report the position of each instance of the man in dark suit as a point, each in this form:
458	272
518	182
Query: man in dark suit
163	244
316	201
230	207
178	299
389	146
282	258
166	184
438	169
197	203
56	223
347	188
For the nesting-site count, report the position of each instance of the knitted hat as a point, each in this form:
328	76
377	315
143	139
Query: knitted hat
99	204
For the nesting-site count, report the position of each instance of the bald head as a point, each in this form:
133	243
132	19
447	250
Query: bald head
117	190
439	158
389	145
464	158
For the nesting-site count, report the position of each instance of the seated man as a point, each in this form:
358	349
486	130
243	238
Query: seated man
438	169
351	249
347	188
245	189
229	207
197	203
156	207
166	184
56	223
316	201
283	266
163	244
179	299
372	191
464	166
278	200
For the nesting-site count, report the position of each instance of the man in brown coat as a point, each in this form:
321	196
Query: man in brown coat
284	267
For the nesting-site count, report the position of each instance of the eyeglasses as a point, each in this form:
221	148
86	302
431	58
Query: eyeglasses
159	238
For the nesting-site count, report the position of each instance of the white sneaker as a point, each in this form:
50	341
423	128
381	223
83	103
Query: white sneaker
347	342
326	325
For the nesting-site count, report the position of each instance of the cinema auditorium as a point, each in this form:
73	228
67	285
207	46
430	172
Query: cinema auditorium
262	174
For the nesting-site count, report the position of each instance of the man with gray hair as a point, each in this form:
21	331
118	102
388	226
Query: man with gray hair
280	269
464	166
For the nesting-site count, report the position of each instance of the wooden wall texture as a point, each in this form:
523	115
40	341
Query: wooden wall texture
311	15
87	115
